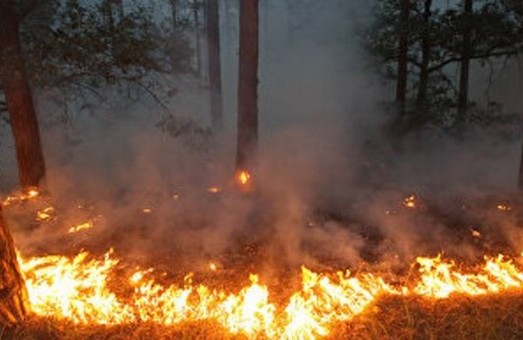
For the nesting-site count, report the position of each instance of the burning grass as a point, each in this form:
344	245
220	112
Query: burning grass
86	295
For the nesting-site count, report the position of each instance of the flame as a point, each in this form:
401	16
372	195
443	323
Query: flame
243	177
84	226
17	198
410	202
214	190
45	214
79	289
503	207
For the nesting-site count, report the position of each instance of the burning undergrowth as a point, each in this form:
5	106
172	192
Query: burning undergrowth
101	275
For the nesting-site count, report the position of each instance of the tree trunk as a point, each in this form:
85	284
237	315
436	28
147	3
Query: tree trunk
24	123
13	296
520	179
248	86
425	57
465	65
403	56
196	17
174	13
215	74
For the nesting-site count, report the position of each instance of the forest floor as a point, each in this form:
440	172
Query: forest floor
494	316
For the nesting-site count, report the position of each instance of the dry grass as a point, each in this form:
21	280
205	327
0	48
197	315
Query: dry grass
491	317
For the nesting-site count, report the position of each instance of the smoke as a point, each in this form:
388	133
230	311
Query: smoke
331	190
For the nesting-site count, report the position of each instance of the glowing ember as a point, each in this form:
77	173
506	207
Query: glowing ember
213	266
243	177
147	210
80	227
214	190
21	197
78	289
503	207
475	233
410	202
45	214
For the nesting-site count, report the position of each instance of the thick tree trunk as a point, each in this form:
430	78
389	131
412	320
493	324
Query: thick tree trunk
24	123
403	56
248	86
13	296
215	73
465	65
425	57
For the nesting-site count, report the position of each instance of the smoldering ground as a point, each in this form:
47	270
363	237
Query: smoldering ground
330	190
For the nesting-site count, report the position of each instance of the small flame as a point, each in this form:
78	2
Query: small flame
29	194
80	227
410	202
503	207
214	190
45	214
147	210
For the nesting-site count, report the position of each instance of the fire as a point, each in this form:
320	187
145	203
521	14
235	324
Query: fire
29	194
503	207
84	226
214	190
45	214
243	177
80	289
410	202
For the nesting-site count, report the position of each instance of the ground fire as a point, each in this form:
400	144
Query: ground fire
105	290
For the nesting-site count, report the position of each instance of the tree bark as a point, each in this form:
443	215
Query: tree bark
403	56
425	57
520	179
13	296
215	74
174	13
248	86
24	123
465	64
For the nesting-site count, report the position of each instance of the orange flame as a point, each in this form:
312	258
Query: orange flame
77	289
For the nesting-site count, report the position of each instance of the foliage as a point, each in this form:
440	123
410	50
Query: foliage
80	47
497	34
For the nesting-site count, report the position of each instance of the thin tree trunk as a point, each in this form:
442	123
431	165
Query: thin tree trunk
174	13
248	86
215	74
24	123
425	57
196	16
465	65
13	295
403	50
520	179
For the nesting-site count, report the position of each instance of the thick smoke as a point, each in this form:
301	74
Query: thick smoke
330	189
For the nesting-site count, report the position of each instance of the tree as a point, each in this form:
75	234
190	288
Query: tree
17	92
12	286
215	77
426	47
403	55
442	39
247	141
466	52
